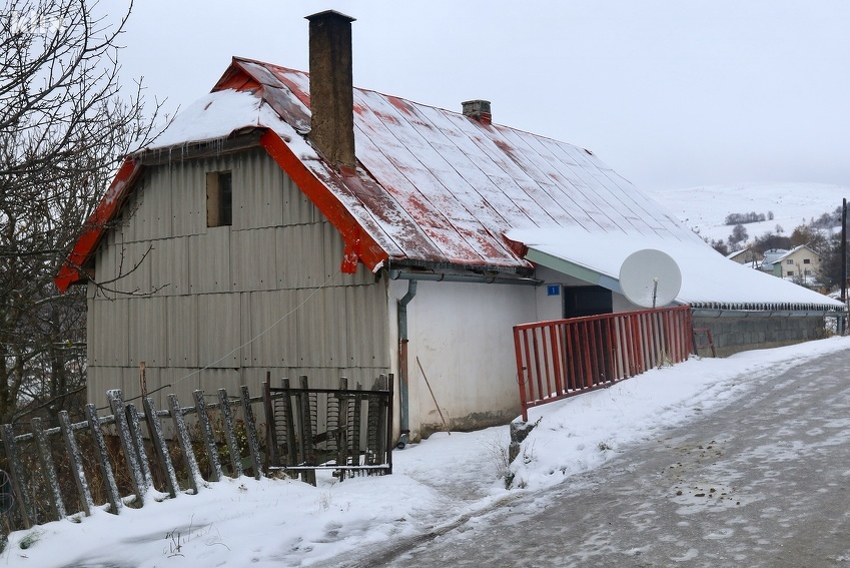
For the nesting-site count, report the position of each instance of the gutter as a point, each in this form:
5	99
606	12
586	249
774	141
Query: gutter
414	275
404	381
732	313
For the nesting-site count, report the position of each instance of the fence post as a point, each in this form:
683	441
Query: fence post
120	414
193	473
46	460
289	417
209	436
19	484
230	433
251	428
272	455
76	462
139	444
159	444
103	460
342	428
305	446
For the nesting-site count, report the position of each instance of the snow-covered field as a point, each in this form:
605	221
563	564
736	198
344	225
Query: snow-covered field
436	483
704	209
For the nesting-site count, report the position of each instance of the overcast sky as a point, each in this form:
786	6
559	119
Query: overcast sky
670	93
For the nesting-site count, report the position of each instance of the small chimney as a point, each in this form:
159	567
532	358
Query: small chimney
332	87
479	110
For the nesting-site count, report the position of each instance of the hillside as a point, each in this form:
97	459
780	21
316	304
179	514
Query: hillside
704	209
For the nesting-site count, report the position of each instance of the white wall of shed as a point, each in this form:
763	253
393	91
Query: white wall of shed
462	334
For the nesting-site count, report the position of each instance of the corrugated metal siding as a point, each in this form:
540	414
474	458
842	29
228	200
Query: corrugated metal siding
181	325
254	259
265	294
263	206
209	270
148	335
218	330
187	187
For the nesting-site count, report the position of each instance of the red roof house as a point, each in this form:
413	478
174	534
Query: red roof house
290	222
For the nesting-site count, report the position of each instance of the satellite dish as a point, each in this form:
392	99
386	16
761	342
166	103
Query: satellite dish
650	278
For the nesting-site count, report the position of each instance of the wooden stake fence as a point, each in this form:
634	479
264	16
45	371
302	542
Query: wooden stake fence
126	458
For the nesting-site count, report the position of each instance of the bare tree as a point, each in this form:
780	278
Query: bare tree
64	127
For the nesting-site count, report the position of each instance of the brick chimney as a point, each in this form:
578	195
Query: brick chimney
479	110
331	87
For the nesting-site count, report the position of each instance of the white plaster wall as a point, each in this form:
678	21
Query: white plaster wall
462	333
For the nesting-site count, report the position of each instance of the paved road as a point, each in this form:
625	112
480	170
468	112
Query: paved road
762	482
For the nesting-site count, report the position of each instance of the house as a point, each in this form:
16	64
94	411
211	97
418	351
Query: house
747	256
290	223
770	258
801	265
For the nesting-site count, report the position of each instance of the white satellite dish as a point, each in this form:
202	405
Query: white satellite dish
650	278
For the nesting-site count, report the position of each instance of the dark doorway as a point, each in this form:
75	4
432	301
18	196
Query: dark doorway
587	301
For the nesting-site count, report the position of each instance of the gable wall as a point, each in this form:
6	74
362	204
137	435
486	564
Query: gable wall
798	265
272	277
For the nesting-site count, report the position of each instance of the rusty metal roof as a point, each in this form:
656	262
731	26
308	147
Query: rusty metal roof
432	186
438	187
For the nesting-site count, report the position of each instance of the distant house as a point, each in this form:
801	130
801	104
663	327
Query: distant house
747	256
290	223
770	258
801	265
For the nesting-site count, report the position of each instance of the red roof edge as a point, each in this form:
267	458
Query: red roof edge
359	245
518	248
71	271
237	78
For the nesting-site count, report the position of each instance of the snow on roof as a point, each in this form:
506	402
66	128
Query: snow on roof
794	250
708	278
216	116
435	187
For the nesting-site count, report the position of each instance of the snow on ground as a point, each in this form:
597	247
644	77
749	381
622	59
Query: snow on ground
704	209
447	477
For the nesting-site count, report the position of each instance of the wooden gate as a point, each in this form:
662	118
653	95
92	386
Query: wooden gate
348	431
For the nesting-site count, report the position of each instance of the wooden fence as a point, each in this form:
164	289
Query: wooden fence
557	359
132	456
326	428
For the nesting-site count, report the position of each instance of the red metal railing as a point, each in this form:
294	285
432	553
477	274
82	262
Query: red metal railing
560	358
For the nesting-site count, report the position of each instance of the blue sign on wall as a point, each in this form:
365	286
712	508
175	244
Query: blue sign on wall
553	290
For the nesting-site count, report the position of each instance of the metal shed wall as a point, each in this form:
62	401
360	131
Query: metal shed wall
218	307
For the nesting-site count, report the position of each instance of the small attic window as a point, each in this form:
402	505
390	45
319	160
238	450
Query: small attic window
219	199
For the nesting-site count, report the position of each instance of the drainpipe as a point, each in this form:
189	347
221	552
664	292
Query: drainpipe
402	363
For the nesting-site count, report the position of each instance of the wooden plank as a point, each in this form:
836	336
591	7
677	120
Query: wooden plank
123	429
75	461
342	429
354	454
139	444
160	446
103	460
193	474
209	436
305	447
19	483
251	427
272	448
45	458
291	448
230	433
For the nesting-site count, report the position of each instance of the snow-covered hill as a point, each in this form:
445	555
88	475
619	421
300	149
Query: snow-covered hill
704	209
